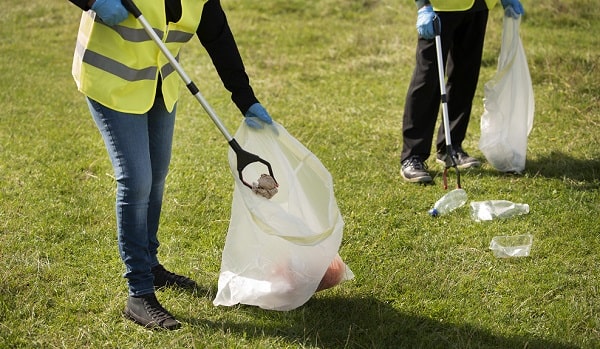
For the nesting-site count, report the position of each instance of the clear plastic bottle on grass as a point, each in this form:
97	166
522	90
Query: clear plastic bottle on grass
493	209
449	202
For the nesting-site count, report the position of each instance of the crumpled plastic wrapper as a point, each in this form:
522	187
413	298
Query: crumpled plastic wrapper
511	246
266	186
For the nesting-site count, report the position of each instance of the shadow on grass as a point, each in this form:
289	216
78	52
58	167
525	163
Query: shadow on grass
561	165
364	322
579	174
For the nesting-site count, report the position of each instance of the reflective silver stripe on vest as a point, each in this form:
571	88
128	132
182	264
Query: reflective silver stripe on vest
121	70
178	36
140	35
135	35
131	34
167	69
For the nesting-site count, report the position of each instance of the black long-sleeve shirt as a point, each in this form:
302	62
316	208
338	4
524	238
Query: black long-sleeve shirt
216	37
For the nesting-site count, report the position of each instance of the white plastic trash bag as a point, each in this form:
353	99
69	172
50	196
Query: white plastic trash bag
508	105
278	251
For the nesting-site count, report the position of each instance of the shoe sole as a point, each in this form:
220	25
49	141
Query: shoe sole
422	179
461	167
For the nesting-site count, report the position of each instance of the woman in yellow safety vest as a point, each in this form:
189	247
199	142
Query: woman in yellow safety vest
463	25
132	93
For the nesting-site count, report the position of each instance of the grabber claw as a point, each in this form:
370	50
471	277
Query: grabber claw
451	162
245	158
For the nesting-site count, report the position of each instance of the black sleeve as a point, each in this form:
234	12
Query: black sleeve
82	4
216	37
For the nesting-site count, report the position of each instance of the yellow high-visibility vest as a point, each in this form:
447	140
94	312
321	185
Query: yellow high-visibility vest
119	66
458	5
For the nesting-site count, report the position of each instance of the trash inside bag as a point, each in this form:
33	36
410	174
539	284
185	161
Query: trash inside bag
509	105
280	250
265	186
336	273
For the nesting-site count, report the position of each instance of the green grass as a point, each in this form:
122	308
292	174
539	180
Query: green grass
334	73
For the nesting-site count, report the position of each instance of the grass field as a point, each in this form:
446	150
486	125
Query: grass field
334	73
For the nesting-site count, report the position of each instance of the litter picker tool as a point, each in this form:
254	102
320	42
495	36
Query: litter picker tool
244	158
450	153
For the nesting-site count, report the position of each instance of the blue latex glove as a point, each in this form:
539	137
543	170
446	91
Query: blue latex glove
515	5
257	114
425	17
111	12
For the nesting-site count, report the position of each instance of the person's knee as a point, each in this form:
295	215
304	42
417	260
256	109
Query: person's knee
135	189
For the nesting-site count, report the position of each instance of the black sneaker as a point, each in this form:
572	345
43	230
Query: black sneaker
415	170
463	160
147	311
163	277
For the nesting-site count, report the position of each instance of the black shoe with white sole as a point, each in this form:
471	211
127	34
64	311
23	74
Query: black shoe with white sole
463	160
414	170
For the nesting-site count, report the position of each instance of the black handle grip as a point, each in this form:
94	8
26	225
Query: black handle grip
130	6
437	25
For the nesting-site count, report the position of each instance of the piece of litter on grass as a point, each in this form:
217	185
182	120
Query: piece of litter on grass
511	246
266	186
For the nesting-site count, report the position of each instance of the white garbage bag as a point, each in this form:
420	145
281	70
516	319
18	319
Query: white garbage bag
280	251
508	105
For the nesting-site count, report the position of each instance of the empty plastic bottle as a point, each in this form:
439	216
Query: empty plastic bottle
449	202
492	209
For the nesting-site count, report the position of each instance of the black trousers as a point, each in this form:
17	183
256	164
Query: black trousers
462	36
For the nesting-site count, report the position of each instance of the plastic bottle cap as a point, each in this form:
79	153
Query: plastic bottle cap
434	212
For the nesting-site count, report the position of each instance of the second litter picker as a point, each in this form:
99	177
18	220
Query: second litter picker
451	156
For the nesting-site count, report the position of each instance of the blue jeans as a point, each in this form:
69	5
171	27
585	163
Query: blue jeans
139	147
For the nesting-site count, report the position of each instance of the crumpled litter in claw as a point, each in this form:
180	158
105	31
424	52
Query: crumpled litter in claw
266	186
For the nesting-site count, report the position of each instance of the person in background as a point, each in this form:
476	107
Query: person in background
132	91
463	26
